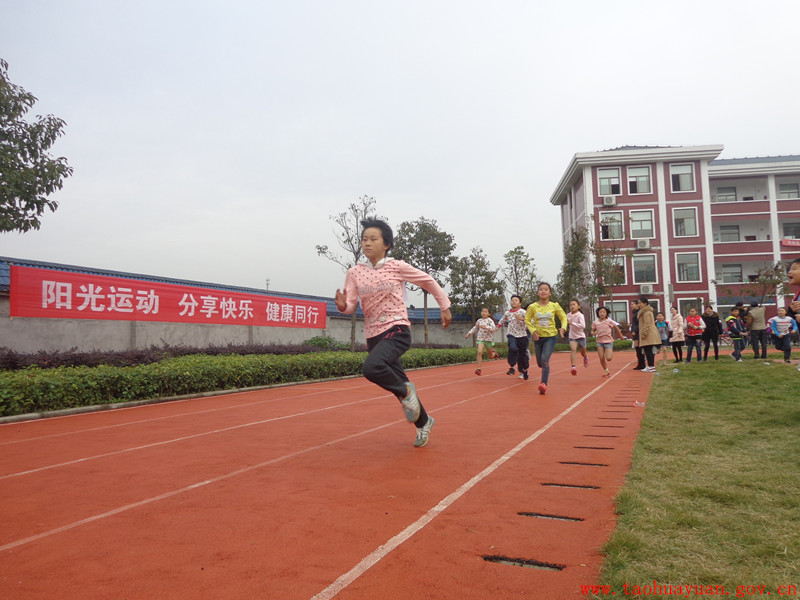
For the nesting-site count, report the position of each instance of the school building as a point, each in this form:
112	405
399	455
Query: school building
684	226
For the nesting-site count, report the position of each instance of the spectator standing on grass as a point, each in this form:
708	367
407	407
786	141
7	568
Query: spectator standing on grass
743	316
678	336
577	334
736	331
603	330
694	333
379	284
782	328
540	318
712	331
649	339
758	329
518	336
485	326
663	332
640	362
793	310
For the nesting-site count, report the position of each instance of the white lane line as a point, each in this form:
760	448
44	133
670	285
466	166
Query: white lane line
143	421
197	435
183	439
381	551
121	509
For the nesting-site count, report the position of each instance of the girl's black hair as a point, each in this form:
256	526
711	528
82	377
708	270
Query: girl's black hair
599	308
549	287
386	231
517	296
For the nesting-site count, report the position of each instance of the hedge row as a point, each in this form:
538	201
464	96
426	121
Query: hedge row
36	389
41	390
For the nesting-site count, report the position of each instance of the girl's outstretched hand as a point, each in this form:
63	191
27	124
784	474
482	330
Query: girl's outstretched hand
341	300
447	318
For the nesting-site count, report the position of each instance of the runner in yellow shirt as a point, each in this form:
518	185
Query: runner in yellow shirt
540	318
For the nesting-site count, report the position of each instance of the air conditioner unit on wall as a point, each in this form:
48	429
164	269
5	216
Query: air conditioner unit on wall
642	244
645	289
609	201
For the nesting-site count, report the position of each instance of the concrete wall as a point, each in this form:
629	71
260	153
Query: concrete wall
31	335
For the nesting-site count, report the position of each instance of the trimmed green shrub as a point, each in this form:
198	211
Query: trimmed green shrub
40	390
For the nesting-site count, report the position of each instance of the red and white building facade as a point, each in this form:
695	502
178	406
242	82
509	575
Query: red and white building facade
688	228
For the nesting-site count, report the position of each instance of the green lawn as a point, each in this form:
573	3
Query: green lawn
713	497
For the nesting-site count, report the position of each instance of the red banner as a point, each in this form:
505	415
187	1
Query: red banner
48	293
790	242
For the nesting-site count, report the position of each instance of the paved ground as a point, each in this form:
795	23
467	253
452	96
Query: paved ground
316	491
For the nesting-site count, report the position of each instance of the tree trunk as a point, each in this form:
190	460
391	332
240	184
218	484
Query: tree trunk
353	332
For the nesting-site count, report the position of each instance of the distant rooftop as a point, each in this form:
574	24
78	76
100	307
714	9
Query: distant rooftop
756	160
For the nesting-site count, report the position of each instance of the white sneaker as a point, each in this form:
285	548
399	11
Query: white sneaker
649	370
423	433
411	403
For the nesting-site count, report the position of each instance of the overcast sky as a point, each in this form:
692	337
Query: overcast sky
212	141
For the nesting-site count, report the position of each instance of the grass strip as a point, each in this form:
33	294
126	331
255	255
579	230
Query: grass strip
713	496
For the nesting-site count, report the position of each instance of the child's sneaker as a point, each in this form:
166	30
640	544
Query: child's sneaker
574	370
510	371
585	361
606	373
542	388
411	403
477	371
525	374
423	433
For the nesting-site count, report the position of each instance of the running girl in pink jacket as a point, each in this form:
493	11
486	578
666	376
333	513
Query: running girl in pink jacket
378	284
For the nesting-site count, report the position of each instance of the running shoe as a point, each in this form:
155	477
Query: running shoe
525	374
477	371
649	370
411	403
542	388
510	371
423	433
574	371
521	376
585	361
606	373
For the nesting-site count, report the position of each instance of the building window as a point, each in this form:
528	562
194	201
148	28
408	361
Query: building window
726	194
644	269
611	226
686	304
728	233
642	224
639	180
618	270
618	311
788	190
731	273
608	180
685	221
682	177
791	231
688	266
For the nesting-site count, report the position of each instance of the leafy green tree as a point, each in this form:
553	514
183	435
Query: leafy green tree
573	279
474	284
28	174
520	274
420	243
768	282
348	236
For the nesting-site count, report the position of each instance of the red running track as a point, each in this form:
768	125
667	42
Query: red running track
316	491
